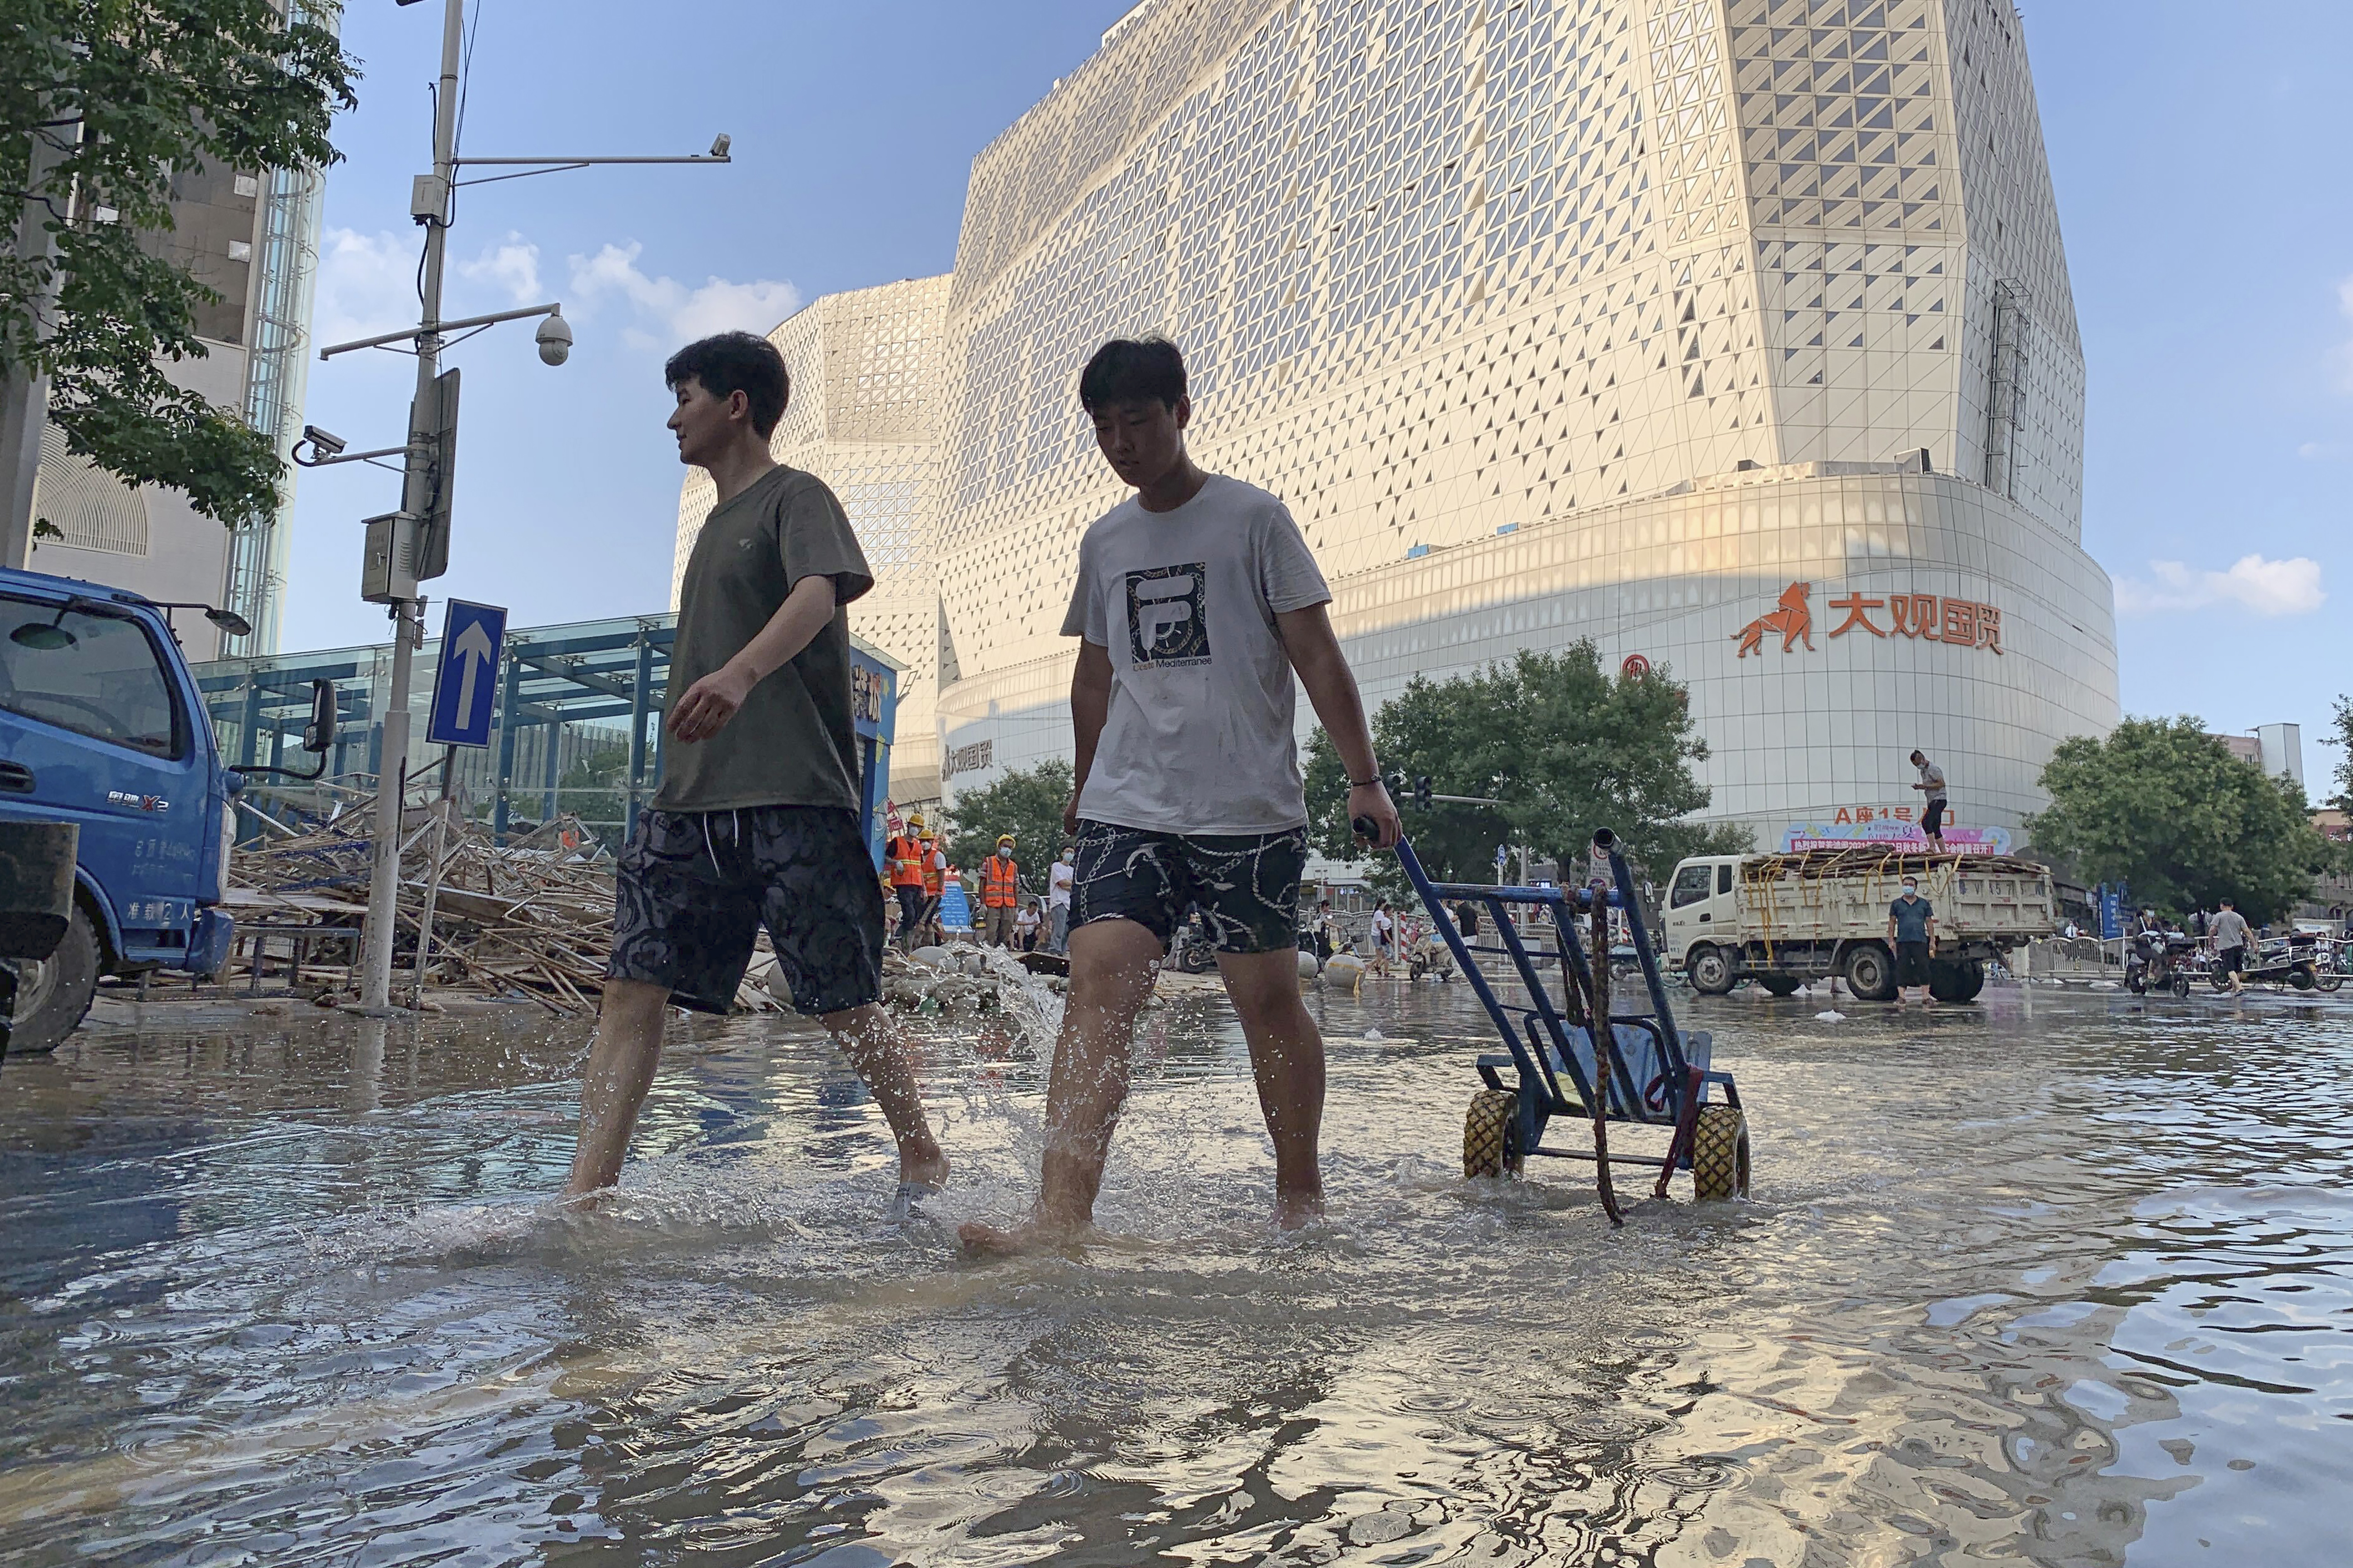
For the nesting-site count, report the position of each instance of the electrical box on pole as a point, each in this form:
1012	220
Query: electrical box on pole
434	423
388	564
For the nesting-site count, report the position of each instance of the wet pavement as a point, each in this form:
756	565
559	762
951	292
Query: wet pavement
2063	1277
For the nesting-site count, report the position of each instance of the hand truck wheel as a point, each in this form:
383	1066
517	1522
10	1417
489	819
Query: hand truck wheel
1491	1136
1720	1153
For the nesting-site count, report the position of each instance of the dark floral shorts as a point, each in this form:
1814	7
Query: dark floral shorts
695	887
1246	886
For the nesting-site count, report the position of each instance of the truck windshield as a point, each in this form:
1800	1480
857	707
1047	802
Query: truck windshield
1691	886
93	673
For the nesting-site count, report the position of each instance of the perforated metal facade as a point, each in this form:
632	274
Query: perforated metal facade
1650	321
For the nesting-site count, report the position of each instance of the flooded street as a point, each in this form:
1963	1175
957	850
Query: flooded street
2064	1278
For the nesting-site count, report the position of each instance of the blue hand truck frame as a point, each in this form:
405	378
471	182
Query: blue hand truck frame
1649	1073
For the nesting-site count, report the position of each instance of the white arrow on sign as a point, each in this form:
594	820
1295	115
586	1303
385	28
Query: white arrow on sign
473	650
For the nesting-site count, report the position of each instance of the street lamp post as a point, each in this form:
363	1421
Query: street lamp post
423	491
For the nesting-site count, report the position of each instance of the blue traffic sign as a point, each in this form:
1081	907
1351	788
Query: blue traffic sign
466	684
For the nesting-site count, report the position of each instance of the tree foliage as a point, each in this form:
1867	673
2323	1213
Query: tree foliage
154	88
1027	803
2165	808
1565	745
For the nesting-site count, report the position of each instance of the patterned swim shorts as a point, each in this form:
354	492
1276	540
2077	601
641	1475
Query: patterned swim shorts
1246	885
695	887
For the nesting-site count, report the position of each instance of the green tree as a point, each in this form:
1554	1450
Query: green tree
1027	803
1564	744
132	92
2165	808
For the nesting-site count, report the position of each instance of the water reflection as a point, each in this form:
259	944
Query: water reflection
2062	1279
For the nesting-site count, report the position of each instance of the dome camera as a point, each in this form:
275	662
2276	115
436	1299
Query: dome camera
555	339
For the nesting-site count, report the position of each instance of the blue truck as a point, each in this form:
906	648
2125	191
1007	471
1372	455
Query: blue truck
102	725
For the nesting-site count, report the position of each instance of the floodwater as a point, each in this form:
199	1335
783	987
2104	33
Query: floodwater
2058	1279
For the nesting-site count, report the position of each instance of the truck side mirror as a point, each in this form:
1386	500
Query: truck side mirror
320	732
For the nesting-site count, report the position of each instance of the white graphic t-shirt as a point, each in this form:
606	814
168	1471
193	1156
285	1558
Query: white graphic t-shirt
1200	735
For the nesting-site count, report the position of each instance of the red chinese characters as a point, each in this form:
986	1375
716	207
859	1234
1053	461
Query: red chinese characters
1961	623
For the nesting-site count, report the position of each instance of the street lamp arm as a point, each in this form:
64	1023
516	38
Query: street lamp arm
583	163
435	329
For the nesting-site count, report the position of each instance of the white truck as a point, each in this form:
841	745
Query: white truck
1784	919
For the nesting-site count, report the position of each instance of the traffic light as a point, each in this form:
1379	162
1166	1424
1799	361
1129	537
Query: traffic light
1421	791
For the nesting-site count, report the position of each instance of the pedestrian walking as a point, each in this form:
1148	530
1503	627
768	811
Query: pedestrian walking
1912	932
2232	940
1200	611
1384	936
758	818
1058	902
1000	894
1932	789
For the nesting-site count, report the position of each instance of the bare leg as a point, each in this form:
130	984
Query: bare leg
881	1055
1112	965
620	1070
1287	1059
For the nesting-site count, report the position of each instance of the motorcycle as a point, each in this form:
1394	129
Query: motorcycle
2155	961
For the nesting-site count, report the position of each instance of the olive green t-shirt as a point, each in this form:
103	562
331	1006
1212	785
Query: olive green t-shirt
792	742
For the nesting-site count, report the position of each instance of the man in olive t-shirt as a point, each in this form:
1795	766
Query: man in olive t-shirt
757	817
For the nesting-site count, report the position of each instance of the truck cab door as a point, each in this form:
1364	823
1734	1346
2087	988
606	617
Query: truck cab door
95	729
1687	900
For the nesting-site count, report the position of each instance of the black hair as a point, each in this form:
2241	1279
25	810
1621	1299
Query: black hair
736	362
1133	370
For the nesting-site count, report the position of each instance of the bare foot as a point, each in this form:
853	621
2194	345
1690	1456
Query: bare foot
1295	1209
927	1171
1031	1235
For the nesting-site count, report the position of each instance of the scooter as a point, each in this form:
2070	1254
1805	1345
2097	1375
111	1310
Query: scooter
2153	962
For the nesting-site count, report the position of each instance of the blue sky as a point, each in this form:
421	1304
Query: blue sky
2207	207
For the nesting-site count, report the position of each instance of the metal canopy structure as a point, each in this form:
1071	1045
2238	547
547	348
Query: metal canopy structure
582	701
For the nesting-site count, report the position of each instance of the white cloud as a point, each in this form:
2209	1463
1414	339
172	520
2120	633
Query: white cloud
367	284
2341	358
674	313
2321	451
2290	587
512	266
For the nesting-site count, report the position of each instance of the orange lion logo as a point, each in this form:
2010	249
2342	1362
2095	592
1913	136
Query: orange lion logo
1792	620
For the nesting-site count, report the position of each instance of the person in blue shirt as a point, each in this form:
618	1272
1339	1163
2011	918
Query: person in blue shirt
1912	932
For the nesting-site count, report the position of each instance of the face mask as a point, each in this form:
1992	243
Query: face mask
1911	892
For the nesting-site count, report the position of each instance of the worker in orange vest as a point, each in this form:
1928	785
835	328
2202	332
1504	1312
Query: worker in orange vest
903	861
1001	893
935	866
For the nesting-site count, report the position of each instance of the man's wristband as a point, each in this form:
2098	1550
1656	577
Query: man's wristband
1364	784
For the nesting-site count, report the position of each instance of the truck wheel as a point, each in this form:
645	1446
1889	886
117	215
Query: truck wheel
1871	971
53	993
1710	971
1779	984
1960	978
1489	1130
1719	1153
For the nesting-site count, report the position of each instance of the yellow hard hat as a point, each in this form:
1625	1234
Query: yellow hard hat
1005	839
915	820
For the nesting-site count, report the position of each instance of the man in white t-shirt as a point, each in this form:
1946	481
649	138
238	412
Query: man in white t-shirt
1058	901
1196	602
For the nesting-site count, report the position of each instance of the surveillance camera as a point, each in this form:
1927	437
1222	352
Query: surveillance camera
554	340
719	144
325	442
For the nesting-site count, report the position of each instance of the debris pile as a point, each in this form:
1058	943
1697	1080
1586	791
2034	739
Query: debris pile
532	918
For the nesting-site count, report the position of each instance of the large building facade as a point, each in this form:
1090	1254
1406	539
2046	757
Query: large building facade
1735	335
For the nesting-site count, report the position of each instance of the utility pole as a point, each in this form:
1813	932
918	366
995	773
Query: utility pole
431	203
399	550
24	396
